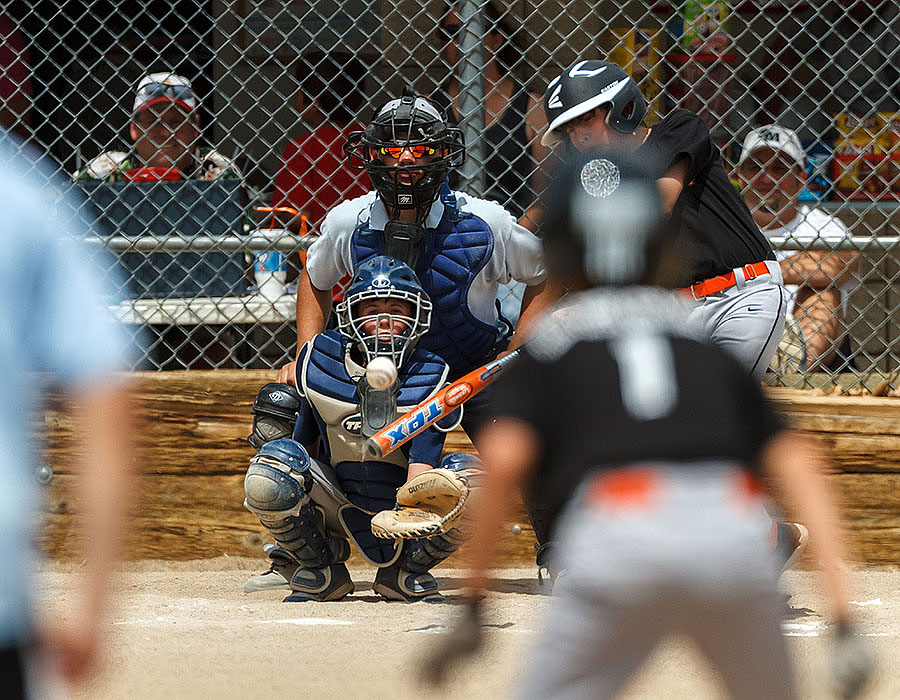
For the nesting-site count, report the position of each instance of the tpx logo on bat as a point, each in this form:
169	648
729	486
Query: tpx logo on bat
432	410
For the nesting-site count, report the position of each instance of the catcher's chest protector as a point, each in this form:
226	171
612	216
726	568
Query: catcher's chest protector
328	386
451	257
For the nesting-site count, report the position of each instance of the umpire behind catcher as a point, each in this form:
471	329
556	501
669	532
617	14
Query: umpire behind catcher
652	445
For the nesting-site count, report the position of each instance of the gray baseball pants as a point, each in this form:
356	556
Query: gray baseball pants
693	559
747	319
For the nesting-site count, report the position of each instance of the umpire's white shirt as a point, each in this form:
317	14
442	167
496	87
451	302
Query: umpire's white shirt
517	252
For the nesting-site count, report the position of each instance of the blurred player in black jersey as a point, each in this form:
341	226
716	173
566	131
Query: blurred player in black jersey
728	271
650	445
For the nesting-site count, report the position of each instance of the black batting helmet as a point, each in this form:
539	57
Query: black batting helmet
407	122
604	223
590	84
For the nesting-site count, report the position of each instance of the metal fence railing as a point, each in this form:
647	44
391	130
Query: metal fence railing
275	86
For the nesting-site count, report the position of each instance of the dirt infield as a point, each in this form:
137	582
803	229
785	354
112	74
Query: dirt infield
184	630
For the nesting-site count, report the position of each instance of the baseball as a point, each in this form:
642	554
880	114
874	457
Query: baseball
381	373
517	529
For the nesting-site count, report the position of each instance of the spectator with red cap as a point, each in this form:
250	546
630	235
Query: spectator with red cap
165	129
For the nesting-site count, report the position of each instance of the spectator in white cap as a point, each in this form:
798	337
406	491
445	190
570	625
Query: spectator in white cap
772	171
165	130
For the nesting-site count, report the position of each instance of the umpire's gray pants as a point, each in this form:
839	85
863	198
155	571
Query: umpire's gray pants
693	559
747	319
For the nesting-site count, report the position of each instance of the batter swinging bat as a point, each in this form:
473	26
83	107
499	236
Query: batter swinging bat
432	410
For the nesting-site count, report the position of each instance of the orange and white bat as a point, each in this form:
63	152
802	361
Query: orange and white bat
432	410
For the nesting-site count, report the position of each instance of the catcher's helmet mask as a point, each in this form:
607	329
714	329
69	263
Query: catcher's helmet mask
587	85
383	277
405	122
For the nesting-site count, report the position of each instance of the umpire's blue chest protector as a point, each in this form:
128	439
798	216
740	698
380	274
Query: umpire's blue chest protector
451	257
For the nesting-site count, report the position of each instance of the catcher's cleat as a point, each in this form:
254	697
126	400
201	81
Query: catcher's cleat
331	583
278	574
394	583
789	544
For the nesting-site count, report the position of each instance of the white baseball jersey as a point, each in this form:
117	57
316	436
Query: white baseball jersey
516	255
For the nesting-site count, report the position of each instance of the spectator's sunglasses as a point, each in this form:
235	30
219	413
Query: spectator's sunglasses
417	151
175	92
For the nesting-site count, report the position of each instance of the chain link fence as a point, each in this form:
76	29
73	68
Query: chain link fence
279	84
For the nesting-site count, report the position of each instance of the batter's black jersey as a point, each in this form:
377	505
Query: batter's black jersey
715	226
621	378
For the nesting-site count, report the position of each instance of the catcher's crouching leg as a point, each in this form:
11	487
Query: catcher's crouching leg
408	578
275	491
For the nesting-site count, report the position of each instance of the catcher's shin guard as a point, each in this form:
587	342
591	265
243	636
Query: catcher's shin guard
396	583
420	555
321	584
424	554
275	491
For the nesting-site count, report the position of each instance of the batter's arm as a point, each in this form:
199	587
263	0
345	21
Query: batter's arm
535	299
672	182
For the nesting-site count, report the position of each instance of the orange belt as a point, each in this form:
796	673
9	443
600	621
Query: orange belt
717	284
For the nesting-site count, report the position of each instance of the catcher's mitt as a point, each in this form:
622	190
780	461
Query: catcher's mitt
428	504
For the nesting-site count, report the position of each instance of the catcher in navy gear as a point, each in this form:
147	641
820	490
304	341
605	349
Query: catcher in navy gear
730	275
659	521
461	247
311	486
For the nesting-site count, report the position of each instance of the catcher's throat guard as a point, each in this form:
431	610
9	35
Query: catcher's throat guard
378	407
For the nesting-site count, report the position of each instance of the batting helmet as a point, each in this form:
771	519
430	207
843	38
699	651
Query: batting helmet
383	277
408	122
590	84
606	227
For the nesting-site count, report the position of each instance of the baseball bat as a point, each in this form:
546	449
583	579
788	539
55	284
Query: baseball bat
432	410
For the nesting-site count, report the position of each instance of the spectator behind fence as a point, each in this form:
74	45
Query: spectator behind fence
313	175
513	118
55	327
772	171
165	130
16	93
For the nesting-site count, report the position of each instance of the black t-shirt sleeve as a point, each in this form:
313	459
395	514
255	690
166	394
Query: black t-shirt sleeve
682	133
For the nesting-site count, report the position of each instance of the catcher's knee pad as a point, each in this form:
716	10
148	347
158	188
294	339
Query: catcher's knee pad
371	486
468	466
275	492
462	462
274	412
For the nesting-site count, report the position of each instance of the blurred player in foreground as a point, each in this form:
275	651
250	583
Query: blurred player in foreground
350	383
652	444
54	327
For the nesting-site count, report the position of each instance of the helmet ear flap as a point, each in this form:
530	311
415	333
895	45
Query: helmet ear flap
627	109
